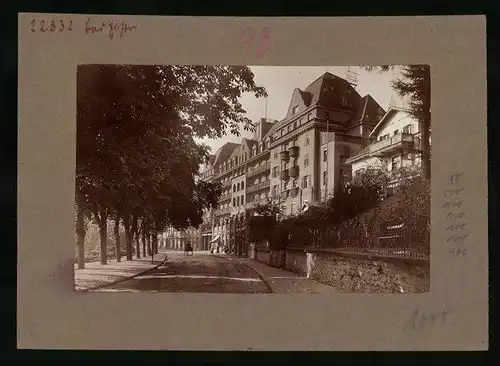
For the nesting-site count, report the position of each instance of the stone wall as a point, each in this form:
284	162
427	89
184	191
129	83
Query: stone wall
353	272
296	261
262	256
277	258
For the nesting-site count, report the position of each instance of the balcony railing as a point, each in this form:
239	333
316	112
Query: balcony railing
255	203
257	187
227	183
285	156
293	171
402	140
225	197
223	211
294	151
259	169
284	175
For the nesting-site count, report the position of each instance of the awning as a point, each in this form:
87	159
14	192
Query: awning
215	239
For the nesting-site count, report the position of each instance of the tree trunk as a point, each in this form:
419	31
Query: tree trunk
103	234
116	230
426	156
133	232
143	240
80	235
155	243
137	244
148	241
128	239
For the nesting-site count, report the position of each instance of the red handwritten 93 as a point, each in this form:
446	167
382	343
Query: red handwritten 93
250	37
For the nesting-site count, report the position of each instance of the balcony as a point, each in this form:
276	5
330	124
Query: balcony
259	186
259	169
225	197
253	204
284	155
226	184
294	151
293	172
390	146
223	211
284	175
294	192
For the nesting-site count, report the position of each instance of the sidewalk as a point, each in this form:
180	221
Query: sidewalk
282	281
96	275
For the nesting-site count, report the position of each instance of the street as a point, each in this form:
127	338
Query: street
201	272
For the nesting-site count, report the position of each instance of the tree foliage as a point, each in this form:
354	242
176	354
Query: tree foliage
137	158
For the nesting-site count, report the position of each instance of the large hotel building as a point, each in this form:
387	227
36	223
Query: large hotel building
292	162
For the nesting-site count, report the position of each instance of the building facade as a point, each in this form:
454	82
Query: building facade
394	144
298	160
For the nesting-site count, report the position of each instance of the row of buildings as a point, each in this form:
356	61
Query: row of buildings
330	133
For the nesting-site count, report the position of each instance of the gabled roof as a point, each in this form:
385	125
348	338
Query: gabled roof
224	152
319	92
249	142
367	107
387	117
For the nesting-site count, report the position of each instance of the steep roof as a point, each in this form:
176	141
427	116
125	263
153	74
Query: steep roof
368	111
320	91
224	152
249	142
386	118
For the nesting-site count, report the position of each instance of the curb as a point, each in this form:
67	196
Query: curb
125	278
262	277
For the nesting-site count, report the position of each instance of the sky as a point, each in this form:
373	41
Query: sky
280	81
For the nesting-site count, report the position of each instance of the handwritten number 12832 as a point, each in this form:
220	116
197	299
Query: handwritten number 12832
52	26
248	37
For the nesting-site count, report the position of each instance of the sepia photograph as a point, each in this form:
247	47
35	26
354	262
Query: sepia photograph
253	179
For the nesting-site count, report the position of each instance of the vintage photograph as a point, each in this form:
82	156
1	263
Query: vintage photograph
253	179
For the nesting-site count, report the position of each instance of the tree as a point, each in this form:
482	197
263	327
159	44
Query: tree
415	84
136	155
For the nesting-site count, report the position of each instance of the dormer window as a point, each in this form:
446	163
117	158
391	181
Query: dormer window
295	109
344	102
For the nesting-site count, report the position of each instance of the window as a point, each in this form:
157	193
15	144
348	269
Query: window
407	129
344	102
275	190
234	188
275	172
325	178
305	181
234	202
396	132
242	200
295	109
325	154
295	125
395	163
276	155
238	186
292	210
342	160
289	128
242	185
306	159
246	156
307	141
294	183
